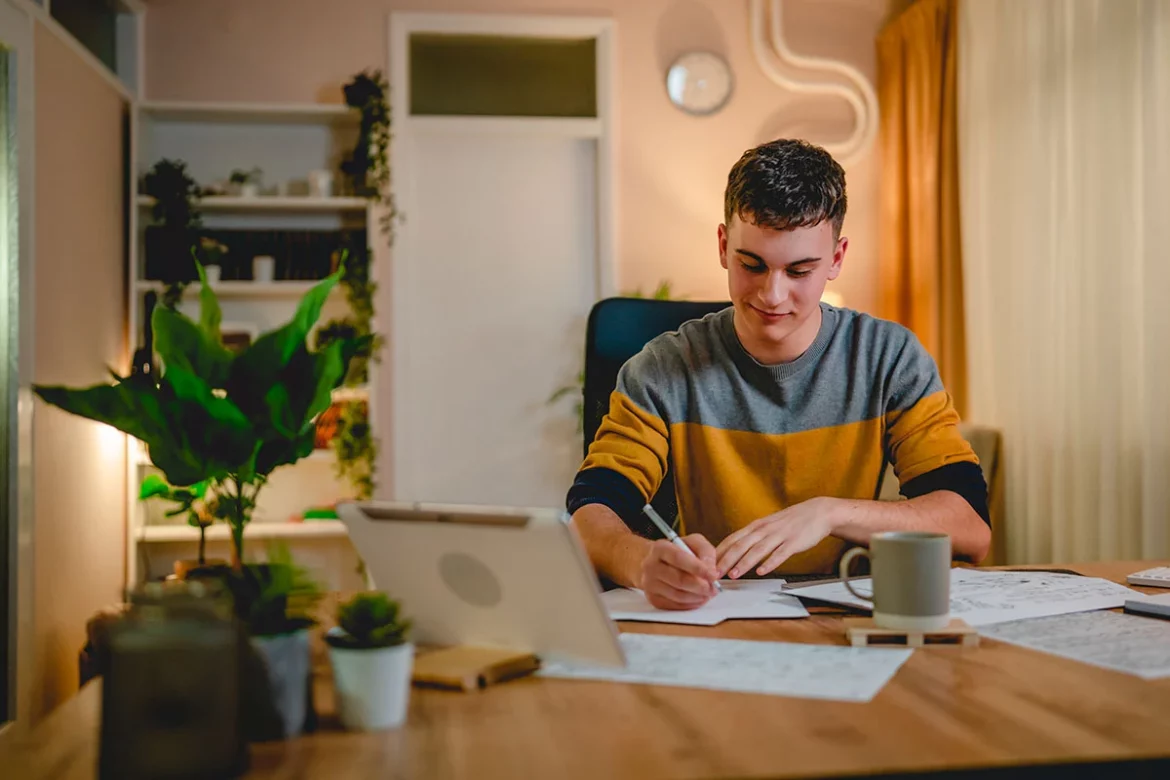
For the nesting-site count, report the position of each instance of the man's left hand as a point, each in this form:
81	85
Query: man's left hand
774	539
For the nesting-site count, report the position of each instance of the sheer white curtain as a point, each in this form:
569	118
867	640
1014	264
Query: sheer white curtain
1064	136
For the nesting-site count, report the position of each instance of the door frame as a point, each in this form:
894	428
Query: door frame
16	460
394	287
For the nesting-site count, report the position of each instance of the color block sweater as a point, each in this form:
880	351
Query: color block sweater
744	439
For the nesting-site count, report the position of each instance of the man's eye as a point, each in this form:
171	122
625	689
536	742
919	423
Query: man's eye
799	274
755	269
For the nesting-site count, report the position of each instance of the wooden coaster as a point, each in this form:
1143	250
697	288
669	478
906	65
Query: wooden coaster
861	632
468	668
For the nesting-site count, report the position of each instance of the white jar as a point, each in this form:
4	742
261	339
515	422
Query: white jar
320	184
263	268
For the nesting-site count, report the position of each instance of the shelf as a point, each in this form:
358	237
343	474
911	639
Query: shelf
242	289
310	529
250	113
557	127
316	456
292	203
351	394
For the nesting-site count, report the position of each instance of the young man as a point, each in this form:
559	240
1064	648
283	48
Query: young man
777	415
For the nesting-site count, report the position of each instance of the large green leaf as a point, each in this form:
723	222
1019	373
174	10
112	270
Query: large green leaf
280	411
310	379
154	486
285	340
189	387
128	406
217	432
210	315
262	364
184	345
280	452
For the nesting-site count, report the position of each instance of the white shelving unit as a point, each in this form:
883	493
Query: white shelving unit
286	141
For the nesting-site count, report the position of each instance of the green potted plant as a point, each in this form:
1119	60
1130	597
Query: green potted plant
275	601
211	254
246	183
177	221
200	509
217	416
228	420
372	658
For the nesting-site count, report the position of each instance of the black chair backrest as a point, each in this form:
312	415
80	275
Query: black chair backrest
618	328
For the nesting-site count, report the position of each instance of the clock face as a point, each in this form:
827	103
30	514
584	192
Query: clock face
699	83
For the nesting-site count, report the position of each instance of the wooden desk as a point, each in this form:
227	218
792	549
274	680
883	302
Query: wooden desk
947	707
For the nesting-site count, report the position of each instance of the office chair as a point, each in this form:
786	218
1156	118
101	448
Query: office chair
617	330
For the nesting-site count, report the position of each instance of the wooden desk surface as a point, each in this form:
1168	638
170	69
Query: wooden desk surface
947	707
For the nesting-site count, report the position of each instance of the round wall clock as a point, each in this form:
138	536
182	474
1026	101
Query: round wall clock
699	82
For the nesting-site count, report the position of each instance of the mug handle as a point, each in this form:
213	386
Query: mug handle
844	571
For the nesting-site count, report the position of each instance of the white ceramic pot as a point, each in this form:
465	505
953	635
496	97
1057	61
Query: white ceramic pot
263	268
212	272
372	687
320	184
249	189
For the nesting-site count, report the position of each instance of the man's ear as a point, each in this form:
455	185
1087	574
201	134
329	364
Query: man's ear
838	257
722	245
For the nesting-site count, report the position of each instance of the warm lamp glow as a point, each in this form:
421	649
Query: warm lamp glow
111	441
833	298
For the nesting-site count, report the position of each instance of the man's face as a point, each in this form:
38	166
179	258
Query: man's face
776	279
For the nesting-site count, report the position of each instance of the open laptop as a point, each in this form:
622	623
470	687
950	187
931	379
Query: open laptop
509	577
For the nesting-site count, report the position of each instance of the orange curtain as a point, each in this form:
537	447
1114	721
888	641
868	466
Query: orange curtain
920	258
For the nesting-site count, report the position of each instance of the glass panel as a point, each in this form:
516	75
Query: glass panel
93	24
477	75
8	255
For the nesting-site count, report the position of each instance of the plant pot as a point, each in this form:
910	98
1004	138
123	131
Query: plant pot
320	184
249	189
185	568
372	687
213	273
263	268
286	664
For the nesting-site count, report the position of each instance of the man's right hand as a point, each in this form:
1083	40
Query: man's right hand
671	578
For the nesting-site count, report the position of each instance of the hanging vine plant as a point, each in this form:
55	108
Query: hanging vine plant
368	169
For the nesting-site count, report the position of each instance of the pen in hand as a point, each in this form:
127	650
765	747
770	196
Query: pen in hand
670	535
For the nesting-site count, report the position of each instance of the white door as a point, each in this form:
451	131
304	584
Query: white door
504	248
500	278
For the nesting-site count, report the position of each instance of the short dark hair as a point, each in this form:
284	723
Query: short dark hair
785	184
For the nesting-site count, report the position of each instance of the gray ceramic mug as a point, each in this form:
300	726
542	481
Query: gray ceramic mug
911	579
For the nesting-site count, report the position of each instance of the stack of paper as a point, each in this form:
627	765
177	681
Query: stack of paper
777	668
743	599
1124	643
985	597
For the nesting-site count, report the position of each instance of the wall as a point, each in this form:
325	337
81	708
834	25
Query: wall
79	466
671	168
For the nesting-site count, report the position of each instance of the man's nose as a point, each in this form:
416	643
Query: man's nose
775	289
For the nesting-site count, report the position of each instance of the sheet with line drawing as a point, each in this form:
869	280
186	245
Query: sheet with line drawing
985	597
1124	643
777	668
740	599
